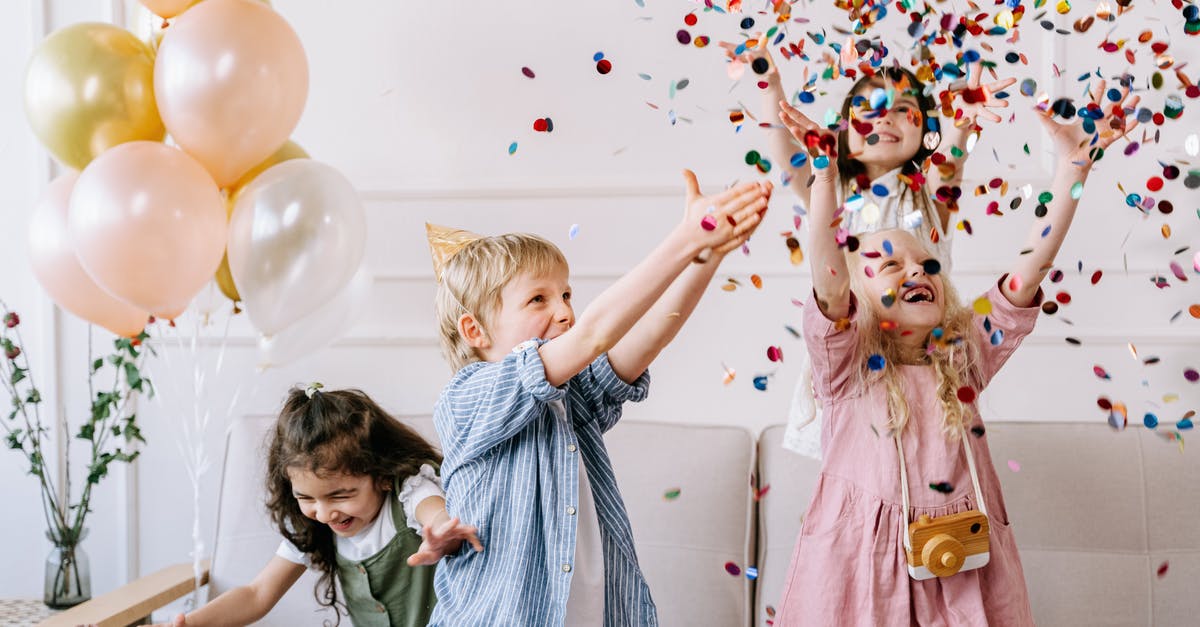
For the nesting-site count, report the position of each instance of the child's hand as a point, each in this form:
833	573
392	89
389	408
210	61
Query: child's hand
180	621
442	540
817	140
978	99
1075	145
724	221
755	49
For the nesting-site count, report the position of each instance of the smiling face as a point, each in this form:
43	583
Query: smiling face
893	138
347	503
531	306
901	285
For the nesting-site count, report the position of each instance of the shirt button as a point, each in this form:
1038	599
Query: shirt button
566	568
571	510
571	448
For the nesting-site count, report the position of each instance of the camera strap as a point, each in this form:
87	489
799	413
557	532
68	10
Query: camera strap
904	480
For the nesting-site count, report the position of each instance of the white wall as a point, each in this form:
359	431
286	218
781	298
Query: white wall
418	102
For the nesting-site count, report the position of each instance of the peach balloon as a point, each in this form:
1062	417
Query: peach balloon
230	80
58	271
168	8
148	224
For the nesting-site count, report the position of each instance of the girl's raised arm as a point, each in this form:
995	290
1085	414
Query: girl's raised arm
1076	150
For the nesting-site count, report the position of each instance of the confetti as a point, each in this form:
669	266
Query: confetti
942	486
671	494
1150	420
1014	466
760	383
732	569
1162	569
774	353
573	232
966	394
527	72
512	148
876	362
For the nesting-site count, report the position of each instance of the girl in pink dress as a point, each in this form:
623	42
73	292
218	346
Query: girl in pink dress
898	360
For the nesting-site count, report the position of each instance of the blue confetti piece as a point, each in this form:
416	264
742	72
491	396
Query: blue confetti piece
512	148
573	231
820	162
997	337
597	56
880	190
887	247
644	76
1184	425
970	56
760	383
751	573
806	97
876	362
1046	231
798	159
1150	420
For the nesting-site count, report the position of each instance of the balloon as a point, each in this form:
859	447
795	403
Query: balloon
321	327
148	226
90	87
296	237
231	80
290	150
58	271
168	8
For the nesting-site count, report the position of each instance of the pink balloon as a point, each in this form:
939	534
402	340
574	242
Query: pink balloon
57	269
148	225
230	79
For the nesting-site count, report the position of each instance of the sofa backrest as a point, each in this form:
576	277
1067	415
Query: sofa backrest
1095	515
245	538
687	491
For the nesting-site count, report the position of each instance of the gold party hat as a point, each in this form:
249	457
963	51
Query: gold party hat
444	243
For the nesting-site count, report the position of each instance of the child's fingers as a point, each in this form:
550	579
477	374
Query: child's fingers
1097	91
973	72
691	185
988	115
742	200
719	200
999	85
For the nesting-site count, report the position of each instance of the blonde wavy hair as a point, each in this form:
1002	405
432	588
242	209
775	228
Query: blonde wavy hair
473	279
955	357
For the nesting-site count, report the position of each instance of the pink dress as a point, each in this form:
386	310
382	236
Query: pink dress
849	565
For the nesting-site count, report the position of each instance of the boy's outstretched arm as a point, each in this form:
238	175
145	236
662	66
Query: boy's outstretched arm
1076	150
638	349
615	310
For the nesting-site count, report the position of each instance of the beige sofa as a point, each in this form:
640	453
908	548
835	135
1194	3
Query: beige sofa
1095	514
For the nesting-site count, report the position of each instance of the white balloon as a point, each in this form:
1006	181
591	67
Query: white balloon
296	237
320	328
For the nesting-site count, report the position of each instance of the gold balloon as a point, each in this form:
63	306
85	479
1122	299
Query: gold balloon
89	87
290	150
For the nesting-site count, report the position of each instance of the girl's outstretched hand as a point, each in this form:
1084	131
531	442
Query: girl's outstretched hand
816	139
1072	143
977	100
754	49
729	217
444	539
180	621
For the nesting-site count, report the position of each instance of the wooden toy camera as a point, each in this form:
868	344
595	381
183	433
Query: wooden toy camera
943	546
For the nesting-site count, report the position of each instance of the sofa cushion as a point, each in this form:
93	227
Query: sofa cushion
789	480
683	542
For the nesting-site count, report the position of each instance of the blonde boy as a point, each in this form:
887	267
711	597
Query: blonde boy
535	389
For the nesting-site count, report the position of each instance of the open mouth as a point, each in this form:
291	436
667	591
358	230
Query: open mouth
342	525
888	138
917	294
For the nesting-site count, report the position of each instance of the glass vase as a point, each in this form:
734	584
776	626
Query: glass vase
68	576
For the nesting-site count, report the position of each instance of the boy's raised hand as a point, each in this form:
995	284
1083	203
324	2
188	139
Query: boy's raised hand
444	539
724	221
1072	143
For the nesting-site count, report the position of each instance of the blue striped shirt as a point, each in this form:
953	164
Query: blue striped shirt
511	469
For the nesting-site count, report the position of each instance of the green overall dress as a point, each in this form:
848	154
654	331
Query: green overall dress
383	590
